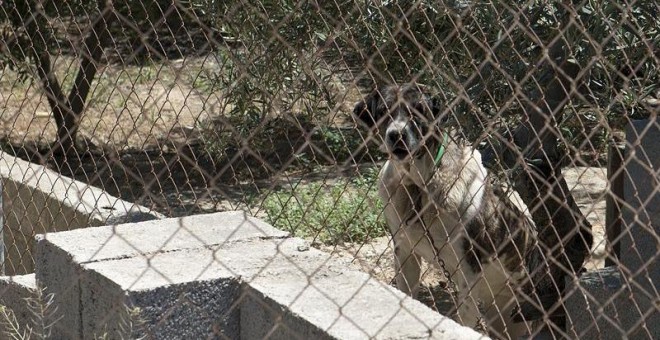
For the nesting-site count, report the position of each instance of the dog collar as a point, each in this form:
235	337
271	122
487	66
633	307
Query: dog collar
441	149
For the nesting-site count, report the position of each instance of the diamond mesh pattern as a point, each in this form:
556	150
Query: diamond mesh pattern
187	107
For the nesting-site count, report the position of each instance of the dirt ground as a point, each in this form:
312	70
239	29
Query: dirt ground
129	107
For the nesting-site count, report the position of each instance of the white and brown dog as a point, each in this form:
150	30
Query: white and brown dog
442	206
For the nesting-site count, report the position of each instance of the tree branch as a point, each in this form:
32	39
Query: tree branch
91	55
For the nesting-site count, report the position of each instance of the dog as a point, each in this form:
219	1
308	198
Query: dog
441	205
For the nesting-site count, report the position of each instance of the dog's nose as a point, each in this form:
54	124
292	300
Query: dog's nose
394	137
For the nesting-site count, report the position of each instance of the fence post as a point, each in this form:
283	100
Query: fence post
613	220
2	229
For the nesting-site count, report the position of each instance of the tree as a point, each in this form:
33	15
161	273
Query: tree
33	31
30	42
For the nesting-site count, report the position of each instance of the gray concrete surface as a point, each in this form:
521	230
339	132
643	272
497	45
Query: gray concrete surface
601	305
640	245
186	308
36	200
148	237
220	275
60	257
288	291
14	292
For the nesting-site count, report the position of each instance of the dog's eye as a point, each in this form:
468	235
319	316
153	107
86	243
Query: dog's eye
420	112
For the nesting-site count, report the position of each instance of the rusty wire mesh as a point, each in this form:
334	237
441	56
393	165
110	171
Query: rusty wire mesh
189	107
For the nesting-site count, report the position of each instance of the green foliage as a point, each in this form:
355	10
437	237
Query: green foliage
274	80
337	143
287	53
620	41
284	59
329	213
273	69
446	43
225	135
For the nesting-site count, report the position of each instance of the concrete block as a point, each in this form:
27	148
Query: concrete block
602	305
346	305
264	318
159	288
287	291
304	293
37	200
148	237
60	255
14	292
640	249
169	306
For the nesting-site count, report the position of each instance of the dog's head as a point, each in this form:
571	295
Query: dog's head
405	115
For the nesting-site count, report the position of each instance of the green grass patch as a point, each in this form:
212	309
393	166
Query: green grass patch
348	210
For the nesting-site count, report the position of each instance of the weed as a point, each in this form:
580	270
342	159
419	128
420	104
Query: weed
12	328
43	317
329	213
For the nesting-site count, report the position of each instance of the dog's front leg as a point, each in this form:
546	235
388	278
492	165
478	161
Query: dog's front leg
407	265
397	195
498	316
468	309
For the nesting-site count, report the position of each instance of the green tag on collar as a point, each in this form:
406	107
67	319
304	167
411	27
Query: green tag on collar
441	149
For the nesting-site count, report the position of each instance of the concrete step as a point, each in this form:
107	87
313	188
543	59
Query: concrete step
640	249
603	305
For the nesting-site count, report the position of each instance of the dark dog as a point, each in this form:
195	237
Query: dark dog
442	206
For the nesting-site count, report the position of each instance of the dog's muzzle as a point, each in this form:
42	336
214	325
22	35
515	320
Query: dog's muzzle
399	143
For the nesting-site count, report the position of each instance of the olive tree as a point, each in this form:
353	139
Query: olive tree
29	35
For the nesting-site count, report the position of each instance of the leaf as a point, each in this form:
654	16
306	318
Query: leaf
321	36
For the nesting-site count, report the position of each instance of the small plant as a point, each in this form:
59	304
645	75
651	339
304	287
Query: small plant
130	326
12	328
44	316
329	213
335	142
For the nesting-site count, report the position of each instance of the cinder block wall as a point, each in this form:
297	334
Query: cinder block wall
36	200
222	275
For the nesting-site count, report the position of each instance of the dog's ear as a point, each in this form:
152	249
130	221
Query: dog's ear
436	106
438	109
367	110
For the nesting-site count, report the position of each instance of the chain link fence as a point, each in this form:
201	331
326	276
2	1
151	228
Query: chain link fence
199	106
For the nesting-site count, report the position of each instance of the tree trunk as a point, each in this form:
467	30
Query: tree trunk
534	162
90	57
67	111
